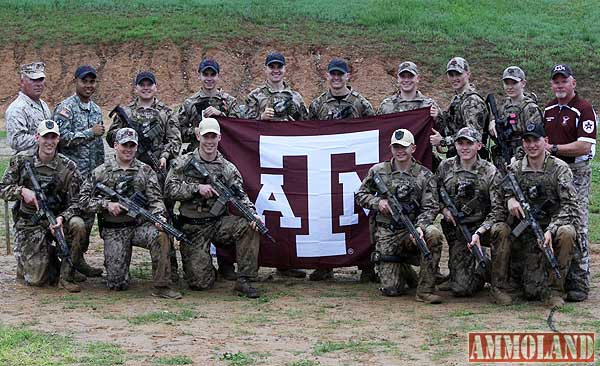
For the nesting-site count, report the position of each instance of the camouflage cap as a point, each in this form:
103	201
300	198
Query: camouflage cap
561	69
535	130
457	64
208	125
35	70
402	137
513	72
468	133
47	126
408	66
125	135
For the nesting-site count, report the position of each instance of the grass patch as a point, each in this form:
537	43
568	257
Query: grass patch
460	313
352	346
304	363
242	359
173	360
164	316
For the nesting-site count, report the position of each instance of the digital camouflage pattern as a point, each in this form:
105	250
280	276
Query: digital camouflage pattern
23	116
395	103
287	103
77	141
527	111
353	105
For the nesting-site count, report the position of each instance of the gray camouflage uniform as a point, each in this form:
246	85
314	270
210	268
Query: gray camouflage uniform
287	103
525	112
353	105
22	118
395	103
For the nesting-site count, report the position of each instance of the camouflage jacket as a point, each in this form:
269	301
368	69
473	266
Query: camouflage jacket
59	178
523	113
157	125
22	118
183	182
77	141
287	103
475	192
188	116
139	177
395	103
467	109
414	188
550	192
353	105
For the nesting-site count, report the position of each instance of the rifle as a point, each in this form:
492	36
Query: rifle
230	194
63	249
343	113
144	143
399	218
503	133
459	216
134	209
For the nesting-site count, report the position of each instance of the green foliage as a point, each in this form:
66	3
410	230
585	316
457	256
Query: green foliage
351	345
173	360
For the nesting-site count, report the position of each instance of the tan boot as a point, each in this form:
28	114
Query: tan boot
166	293
500	297
428	298
69	286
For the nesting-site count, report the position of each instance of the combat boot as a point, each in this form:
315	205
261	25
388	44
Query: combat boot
391	291
576	296
69	286
166	293
291	272
78	276
227	271
88	270
428	298
321	274
500	297
244	288
368	275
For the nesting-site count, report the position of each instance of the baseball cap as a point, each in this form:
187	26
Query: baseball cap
208	63
408	66
209	125
145	75
468	133
274	57
47	126
402	137
125	135
35	70
561	69
84	70
457	64
337	64
535	130
513	72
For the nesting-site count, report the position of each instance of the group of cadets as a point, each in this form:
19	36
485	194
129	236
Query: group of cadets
546	152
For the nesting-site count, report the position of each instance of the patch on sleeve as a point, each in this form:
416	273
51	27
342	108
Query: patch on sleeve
64	113
588	126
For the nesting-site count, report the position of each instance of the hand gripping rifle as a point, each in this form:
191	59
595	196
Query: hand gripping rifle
459	216
399	219
134	210
63	249
230	194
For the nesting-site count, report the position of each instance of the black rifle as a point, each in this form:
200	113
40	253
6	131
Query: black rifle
399	219
230	194
343	113
144	143
134	209
503	133
63	249
459	217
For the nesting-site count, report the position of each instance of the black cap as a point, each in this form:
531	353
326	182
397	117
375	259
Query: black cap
208	63
337	64
561	69
535	130
145	75
84	70
274	57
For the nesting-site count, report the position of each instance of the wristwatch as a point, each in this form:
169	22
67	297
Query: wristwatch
554	149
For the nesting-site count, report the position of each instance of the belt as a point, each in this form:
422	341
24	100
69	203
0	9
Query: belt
198	220
117	225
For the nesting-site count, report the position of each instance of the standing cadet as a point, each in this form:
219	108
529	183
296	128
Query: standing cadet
467	108
339	101
415	188
571	123
471	184
203	221
25	113
128	176
275	100
59	179
81	130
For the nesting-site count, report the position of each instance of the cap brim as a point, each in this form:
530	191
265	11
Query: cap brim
536	135
408	70
209	67
512	78
401	143
126	141
472	139
337	69
145	78
209	130
47	132
86	74
563	73
458	70
275	62
35	75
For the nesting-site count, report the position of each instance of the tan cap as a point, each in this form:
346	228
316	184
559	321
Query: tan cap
47	126
513	72
402	137
125	135
457	64
35	70
408	66
209	125
468	133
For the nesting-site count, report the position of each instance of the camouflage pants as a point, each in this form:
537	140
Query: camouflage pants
81	247
534	274
578	278
37	256
118	245
398	243
465	277
198	269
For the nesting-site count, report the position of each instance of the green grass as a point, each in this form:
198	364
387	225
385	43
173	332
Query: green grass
353	346
242	359
164	316
173	360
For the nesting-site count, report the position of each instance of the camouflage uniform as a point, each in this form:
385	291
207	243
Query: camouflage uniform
553	199
395	103
517	117
474	192
287	103
416	189
122	232
22	118
202	227
60	181
353	105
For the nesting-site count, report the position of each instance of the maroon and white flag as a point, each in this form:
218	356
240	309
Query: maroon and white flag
302	177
